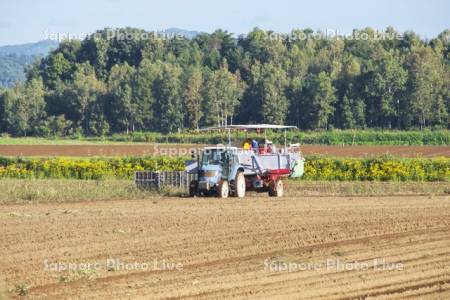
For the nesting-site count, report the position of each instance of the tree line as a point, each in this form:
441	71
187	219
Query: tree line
106	84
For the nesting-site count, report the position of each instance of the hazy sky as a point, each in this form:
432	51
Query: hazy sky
24	21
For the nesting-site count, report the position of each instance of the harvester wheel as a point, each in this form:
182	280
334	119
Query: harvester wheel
223	189
193	188
276	188
239	185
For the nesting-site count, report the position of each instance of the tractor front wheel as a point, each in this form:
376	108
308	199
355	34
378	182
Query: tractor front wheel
276	188
223	189
193	188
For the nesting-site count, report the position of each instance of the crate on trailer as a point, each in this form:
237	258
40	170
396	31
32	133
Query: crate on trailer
146	179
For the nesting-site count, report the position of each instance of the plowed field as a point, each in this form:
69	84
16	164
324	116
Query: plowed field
257	247
185	150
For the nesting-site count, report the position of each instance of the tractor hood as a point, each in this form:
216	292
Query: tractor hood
211	173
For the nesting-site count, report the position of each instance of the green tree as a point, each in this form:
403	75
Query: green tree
329	58
121	107
2	110
25	108
255	43
193	96
273	83
143	82
167	91
94	51
7	99
348	120
223	93
323	97
116	81
124	45
386	85
55	67
58	125
214	47
83	93
425	83
346	92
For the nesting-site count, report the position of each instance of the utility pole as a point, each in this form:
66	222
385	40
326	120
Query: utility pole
398	113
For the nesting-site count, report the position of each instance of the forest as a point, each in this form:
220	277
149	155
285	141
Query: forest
123	83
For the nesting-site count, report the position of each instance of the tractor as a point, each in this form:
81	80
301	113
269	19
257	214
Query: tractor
231	171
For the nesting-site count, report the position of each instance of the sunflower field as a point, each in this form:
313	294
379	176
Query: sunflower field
316	168
377	169
96	168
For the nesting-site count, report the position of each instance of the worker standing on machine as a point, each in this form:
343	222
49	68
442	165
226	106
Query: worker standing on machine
255	145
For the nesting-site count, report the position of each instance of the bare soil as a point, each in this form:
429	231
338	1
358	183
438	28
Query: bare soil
185	150
396	247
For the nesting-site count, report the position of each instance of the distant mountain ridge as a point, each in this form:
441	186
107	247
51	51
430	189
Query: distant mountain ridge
40	48
189	34
14	58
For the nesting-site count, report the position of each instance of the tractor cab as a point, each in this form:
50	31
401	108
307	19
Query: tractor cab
214	166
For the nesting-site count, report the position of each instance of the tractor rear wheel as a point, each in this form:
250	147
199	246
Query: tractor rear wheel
276	188
239	185
223	189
